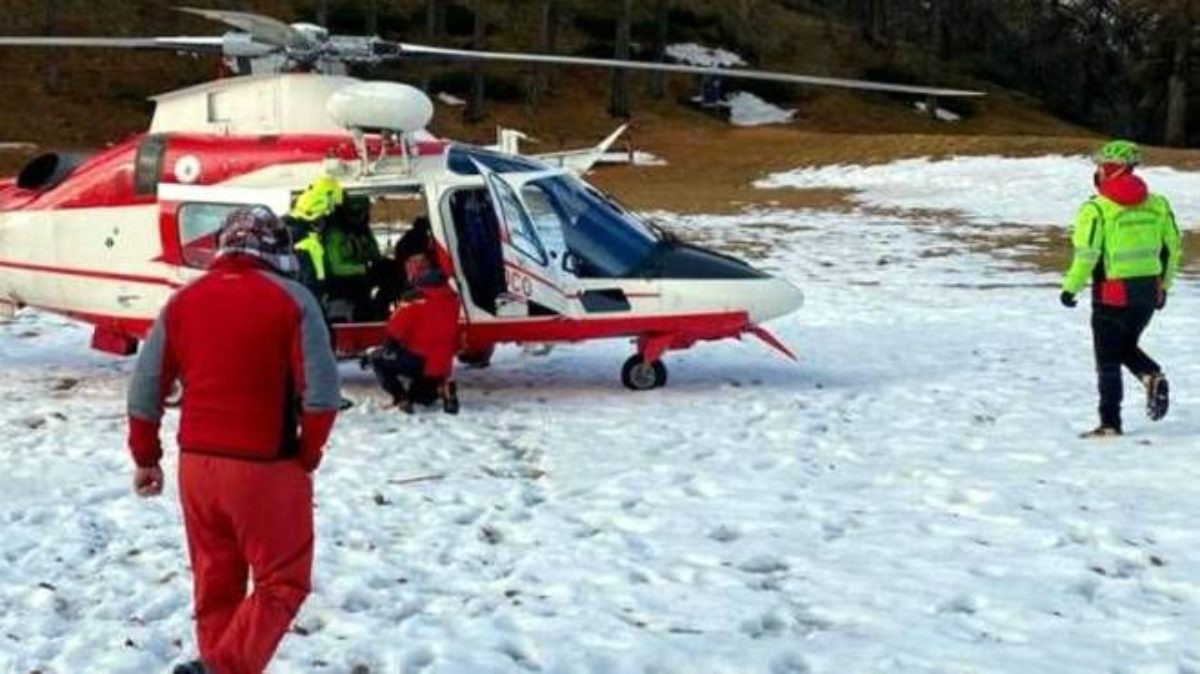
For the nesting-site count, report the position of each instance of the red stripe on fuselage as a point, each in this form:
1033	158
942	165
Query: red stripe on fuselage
90	273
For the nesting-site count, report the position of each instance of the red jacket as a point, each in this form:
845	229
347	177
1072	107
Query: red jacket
252	353
428	327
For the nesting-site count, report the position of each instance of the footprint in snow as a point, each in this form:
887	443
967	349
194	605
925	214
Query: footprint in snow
790	663
764	563
769	624
419	659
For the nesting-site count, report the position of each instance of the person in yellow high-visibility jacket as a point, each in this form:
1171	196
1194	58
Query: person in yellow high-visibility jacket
311	213
1127	244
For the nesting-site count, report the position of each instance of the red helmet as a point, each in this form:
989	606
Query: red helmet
255	231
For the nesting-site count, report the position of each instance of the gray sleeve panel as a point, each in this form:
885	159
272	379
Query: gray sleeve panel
322	390
145	398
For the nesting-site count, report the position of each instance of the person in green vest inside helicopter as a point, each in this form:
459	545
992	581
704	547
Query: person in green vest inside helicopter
351	258
1127	244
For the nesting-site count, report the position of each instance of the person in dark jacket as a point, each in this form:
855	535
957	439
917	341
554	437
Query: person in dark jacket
417	359
250	349
389	274
418	240
1128	245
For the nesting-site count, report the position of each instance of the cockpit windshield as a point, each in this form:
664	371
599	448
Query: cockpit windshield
605	240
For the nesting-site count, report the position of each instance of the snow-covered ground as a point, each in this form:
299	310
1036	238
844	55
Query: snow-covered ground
910	498
746	109
989	190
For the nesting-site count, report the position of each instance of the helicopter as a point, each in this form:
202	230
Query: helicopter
537	254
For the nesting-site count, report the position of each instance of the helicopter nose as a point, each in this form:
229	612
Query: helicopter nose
774	297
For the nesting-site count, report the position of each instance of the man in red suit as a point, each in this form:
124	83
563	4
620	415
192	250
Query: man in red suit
423	337
251	351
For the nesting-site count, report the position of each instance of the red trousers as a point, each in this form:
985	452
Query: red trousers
244	521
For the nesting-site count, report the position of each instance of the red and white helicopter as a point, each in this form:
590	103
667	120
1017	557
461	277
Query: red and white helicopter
538	255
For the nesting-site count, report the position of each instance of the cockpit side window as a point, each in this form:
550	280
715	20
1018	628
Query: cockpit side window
547	219
521	231
199	225
607	241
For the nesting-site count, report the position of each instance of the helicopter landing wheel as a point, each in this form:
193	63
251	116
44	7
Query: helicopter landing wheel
639	375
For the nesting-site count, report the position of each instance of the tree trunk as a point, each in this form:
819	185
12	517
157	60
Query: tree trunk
1177	93
372	18
547	34
933	69
51	54
322	12
620	90
877	21
475	112
432	23
662	17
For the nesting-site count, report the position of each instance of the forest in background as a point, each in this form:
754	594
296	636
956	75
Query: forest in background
1119	67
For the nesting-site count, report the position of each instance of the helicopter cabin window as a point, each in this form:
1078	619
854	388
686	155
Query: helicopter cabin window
199	225
521	231
605	240
220	108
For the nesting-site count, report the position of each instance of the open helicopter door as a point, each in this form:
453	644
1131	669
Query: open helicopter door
191	218
532	255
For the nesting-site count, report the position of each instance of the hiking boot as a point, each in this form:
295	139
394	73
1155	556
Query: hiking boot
193	667
450	399
1101	431
403	404
1158	395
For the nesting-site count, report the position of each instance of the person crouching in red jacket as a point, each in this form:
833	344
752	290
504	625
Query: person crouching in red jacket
422	339
260	393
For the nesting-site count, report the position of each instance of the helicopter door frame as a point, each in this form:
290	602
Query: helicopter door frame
530	271
175	200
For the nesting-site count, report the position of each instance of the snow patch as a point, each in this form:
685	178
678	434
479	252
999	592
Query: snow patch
1038	191
638	158
943	114
746	109
699	55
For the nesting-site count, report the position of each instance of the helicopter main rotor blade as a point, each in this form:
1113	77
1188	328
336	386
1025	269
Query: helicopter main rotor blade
423	50
190	44
263	29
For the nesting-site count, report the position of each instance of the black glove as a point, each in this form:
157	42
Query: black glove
1162	300
1067	299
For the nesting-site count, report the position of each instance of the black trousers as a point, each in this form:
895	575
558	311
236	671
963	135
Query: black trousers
1115	335
402	374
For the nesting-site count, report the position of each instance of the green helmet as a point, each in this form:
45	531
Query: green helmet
1121	152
